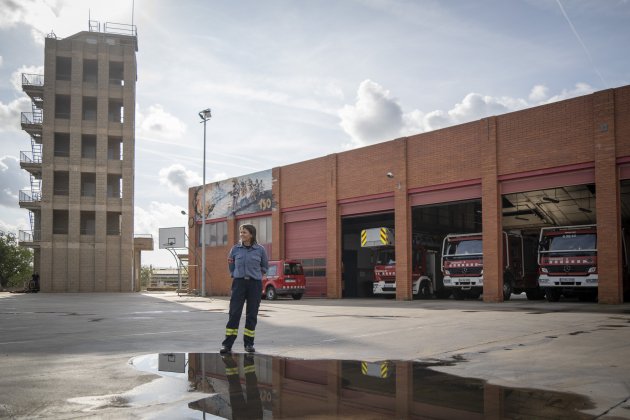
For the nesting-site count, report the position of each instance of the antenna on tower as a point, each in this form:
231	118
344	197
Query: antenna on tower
133	7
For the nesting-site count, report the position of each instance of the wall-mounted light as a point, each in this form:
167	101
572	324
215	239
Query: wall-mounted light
390	175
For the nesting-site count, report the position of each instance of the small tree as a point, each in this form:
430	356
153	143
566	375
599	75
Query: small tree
146	272
16	262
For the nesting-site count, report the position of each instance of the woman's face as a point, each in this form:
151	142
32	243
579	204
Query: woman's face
246	237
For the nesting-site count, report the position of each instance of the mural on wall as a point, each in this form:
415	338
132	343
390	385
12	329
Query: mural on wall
236	196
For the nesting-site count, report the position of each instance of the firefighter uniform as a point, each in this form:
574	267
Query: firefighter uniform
247	264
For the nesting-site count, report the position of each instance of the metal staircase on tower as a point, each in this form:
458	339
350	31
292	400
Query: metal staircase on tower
32	123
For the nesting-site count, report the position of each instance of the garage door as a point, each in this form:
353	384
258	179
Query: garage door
306	241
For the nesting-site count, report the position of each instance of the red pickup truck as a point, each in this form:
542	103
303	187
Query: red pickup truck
284	277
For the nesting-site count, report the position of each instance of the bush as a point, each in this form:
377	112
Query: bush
16	262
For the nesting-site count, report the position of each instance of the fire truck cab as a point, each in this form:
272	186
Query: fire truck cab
381	240
462	265
567	260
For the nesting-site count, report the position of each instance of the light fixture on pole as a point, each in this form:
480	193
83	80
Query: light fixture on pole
205	115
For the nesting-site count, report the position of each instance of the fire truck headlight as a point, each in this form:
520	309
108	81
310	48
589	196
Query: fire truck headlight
592	270
591	281
447	281
543	281
447	272
543	270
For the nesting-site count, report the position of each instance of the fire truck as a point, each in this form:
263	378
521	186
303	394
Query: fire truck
381	240
567	260
462	265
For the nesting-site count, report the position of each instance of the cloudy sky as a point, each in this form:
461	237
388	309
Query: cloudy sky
291	80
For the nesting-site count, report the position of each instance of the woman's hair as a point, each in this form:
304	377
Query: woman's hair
251	229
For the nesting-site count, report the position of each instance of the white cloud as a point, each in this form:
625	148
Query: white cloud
159	123
12	180
1	61
34	13
538	94
178	179
158	215
7	227
16	76
377	116
10	114
579	90
16	223
219	176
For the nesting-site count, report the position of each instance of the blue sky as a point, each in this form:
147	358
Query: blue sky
289	81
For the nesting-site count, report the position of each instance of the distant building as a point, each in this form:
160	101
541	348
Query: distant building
81	161
168	277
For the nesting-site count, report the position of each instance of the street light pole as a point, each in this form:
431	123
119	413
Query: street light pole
205	115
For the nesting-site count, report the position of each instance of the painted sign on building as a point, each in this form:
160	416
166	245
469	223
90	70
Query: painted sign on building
235	196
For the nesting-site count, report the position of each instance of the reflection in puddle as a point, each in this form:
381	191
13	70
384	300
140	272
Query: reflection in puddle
259	386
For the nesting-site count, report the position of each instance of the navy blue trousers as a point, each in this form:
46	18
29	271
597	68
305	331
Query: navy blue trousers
243	291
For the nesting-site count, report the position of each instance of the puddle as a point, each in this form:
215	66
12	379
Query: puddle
205	385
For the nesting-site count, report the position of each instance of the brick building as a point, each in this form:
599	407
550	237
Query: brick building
485	176
81	161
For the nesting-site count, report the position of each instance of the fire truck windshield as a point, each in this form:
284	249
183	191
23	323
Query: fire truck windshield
466	247
386	256
572	242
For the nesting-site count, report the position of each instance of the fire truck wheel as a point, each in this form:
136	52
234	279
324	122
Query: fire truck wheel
459	294
270	293
424	291
474	294
507	286
535	294
443	293
552	295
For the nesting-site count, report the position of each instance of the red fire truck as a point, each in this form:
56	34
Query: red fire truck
462	265
567	259
381	240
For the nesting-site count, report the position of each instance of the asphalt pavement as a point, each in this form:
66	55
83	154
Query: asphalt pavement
57	347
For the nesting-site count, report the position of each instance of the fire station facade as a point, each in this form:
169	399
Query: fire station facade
303	211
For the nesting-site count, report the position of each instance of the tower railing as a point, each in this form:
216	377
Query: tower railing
28	196
32	79
33	118
29	235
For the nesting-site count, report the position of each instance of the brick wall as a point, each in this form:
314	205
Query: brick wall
543	137
363	171
293	188
622	120
444	156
